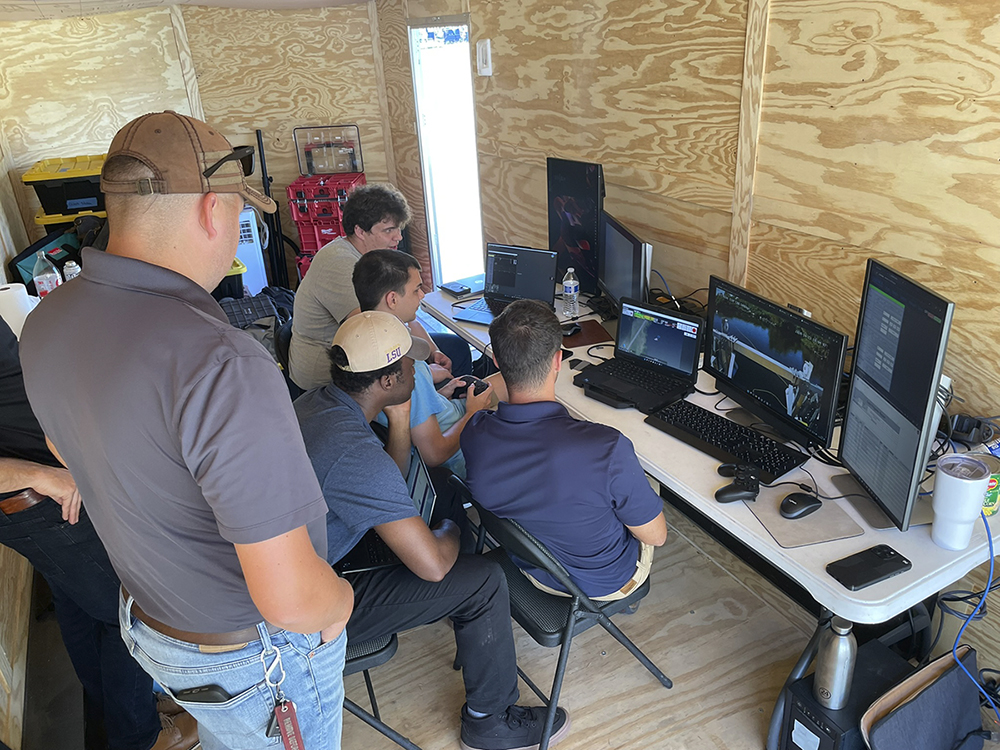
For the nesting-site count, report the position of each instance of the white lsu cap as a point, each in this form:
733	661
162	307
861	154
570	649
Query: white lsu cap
373	340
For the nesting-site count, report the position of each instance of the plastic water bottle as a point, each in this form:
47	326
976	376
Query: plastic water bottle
45	275
838	651
71	269
571	294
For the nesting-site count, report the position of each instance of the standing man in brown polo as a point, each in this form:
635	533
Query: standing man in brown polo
179	431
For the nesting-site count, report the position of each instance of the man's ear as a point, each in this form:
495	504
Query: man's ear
209	208
391	299
557	360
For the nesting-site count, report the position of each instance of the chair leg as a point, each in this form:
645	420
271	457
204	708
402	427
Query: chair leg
557	682
534	688
378	725
634	650
371	695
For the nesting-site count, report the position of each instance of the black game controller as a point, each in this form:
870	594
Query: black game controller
477	385
745	484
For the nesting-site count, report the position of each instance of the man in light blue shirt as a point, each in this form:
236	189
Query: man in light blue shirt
389	281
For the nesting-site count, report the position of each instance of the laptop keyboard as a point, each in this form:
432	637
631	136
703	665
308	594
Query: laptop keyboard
654	382
726	440
483	305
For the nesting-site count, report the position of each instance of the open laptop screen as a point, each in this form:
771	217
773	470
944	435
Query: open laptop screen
520	273
658	337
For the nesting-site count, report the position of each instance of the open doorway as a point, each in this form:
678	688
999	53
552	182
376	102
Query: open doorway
446	128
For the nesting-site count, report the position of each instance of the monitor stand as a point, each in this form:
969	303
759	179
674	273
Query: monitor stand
869	510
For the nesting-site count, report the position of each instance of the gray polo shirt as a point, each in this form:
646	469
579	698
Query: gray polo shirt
322	302
178	430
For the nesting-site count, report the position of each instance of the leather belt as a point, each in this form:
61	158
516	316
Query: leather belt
21	501
232	638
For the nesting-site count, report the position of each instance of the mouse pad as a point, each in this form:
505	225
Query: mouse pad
591	332
824	525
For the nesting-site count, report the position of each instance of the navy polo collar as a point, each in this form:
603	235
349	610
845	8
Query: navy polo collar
530	412
147	278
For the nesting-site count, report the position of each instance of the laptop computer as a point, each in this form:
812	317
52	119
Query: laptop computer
512	273
371	553
655	363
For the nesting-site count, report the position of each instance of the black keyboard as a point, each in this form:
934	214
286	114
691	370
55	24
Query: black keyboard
495	306
654	382
726	440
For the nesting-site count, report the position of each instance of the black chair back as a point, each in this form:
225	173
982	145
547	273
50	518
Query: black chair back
282	340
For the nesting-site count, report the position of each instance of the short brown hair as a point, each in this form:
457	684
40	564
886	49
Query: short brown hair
525	337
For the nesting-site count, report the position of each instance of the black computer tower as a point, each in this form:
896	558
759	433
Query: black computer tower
809	726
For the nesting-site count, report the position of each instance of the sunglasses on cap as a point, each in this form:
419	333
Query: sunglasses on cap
242	154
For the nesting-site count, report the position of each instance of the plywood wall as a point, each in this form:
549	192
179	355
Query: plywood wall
278	70
68	85
649	90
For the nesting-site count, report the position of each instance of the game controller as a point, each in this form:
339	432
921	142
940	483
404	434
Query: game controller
477	385
745	484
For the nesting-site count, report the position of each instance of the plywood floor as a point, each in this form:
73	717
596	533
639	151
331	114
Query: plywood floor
724	636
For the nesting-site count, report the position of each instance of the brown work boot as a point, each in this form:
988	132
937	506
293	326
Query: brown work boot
166	705
179	732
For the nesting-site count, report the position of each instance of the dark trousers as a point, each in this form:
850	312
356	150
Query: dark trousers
85	593
474	595
457	350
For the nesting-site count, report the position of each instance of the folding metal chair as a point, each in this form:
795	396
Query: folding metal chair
551	620
362	657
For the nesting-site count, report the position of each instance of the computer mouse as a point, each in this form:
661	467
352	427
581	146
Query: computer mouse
568	329
799	505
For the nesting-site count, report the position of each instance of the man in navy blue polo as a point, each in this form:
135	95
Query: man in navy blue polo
577	486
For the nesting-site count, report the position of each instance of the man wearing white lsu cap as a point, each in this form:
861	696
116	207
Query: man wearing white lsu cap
371	371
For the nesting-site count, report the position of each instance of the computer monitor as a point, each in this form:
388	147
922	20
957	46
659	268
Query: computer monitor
782	366
898	355
576	199
623	262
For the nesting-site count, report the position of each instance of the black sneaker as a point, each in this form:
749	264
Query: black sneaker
517	728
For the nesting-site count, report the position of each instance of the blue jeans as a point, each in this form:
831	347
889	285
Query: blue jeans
313	681
85	594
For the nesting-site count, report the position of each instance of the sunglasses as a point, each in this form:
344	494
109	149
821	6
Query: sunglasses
243	154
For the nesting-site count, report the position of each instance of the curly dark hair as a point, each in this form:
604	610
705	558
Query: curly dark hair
367	205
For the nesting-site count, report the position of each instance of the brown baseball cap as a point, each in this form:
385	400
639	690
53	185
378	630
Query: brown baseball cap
186	156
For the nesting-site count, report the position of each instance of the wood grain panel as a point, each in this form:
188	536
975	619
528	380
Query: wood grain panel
67	86
638	84
884	114
827	278
277	70
750	107
727	649
432	8
15	593
395	48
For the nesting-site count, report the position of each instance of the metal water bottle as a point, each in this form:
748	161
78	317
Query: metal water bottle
838	652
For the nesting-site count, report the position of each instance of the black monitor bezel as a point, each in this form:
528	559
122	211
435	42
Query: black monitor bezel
785	425
638	250
928	430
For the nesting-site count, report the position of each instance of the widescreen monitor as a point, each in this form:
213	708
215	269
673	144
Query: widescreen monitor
575	202
783	367
623	262
898	355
